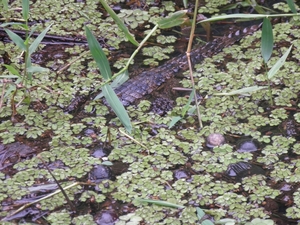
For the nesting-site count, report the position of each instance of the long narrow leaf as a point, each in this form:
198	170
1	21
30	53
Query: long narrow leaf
246	16
267	40
98	55
9	23
25	9
175	19
12	70
292	5
35	69
278	64
161	203
117	106
243	91
16	39
38	40
119	22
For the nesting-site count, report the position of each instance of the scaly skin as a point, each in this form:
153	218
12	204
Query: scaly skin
145	83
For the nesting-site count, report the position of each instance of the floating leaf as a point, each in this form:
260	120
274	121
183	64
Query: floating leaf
243	91
267	40
117	106
98	55
278	64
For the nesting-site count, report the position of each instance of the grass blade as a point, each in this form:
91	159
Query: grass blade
98	55
38	40
12	70
174	120
117	106
292	5
16	39
25	9
175	19
161	203
267	40
278	64
119	22
242	91
119	80
35	69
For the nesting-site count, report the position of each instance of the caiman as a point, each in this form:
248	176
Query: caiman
149	80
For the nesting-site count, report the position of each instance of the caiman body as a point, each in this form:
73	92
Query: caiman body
148	81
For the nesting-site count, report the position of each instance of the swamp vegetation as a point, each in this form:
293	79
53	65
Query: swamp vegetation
51	122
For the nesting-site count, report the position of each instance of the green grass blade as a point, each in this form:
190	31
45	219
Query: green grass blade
5	4
98	55
161	203
174	120
25	9
207	222
35	69
292	5
200	213
243	91
12	70
278	64
119	80
246	16
117	106
175	19
38	40
267	40
119	22
16	39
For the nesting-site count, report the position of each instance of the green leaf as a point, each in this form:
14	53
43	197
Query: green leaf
161	203
175	19
9	76
10	23
12	70
98	55
200	213
35	69
25	9
107	163
117	106
119	80
174	120
257	7
16	39
187	105
267	40
5	4
185	3
278	64
119	22
38	40
243	91
292	5
207	222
